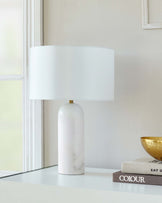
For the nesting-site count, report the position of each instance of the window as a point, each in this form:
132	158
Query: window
20	119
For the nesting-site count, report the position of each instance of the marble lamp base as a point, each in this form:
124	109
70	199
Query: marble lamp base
70	139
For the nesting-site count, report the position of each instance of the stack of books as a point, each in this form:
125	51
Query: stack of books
141	171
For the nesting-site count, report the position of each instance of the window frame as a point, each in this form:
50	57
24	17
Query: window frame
33	119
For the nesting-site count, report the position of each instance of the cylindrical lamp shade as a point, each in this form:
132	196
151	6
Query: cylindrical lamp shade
72	73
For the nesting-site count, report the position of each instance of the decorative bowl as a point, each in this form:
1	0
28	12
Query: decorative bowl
153	146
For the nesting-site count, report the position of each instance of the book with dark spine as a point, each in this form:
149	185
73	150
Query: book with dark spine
137	178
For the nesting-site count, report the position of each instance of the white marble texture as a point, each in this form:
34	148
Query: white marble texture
70	139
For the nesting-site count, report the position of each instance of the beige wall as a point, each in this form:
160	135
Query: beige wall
112	130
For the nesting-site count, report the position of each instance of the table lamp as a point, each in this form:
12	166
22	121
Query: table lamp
71	73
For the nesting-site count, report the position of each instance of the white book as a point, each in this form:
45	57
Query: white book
142	166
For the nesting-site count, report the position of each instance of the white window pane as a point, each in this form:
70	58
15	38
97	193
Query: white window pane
11	125
11	36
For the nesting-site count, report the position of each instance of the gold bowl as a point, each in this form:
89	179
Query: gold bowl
153	146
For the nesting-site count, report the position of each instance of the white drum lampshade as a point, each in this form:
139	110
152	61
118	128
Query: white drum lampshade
71	73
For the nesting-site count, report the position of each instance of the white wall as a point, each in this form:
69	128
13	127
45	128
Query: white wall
112	130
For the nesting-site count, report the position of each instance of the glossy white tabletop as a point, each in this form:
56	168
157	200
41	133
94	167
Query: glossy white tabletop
99	179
